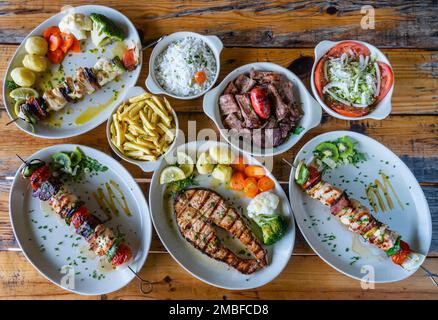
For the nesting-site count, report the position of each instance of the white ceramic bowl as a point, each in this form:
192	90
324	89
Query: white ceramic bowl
311	118
146	166
84	59
383	108
213	42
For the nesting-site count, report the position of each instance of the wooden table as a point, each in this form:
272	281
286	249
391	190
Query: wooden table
254	31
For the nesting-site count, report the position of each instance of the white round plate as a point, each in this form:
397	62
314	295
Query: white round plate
198	264
63	123
332	241
49	244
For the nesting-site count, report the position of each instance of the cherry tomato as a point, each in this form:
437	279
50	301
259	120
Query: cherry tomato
56	56
76	46
55	42
314	177
39	176
50	31
79	217
200	77
260	102
67	41
122	255
129	60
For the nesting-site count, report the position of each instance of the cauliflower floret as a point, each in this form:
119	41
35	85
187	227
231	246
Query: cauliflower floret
77	24
264	203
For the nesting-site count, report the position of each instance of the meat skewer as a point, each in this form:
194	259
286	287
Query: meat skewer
198	210
87	81
357	218
100	238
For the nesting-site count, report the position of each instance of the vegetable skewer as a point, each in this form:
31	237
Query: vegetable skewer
356	217
100	238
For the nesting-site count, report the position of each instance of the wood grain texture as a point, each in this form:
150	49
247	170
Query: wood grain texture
305	277
253	23
416	75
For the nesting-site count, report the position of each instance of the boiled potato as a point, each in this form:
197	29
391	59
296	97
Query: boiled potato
35	63
222	173
36	45
204	164
23	77
221	155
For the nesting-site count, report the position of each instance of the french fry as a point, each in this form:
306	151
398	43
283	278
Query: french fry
143	127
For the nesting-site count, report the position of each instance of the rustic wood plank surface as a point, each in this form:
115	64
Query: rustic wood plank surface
254	23
281	32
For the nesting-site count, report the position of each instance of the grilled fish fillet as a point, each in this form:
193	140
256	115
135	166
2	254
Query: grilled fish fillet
198	210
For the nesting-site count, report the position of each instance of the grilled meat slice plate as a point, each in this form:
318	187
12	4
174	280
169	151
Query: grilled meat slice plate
197	213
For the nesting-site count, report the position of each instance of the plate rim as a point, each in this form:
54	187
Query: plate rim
30	34
406	169
145	212
291	226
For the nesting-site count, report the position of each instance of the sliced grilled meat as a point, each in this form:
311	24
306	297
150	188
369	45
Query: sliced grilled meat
198	210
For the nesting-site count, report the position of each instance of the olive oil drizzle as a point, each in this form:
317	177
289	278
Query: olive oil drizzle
110	203
373	193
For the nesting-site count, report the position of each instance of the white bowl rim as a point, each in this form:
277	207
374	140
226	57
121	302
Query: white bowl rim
382	109
163	44
314	116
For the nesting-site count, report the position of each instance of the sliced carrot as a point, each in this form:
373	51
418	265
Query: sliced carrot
56	56
237	181
55	42
76	47
255	171
50	31
200	77
250	187
67	41
239	164
265	184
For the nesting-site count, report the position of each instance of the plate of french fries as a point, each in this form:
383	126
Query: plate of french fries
143	128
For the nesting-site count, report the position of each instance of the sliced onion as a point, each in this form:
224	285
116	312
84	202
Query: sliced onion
326	71
337	98
378	78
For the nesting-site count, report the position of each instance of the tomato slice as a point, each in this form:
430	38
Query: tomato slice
76	46
319	77
129	60
67	41
348	111
387	78
349	47
50	31
56	56
55	42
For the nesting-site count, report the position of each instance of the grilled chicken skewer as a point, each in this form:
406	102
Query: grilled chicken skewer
100	238
357	217
198	210
87	81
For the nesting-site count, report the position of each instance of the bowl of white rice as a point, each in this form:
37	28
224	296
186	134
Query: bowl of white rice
184	65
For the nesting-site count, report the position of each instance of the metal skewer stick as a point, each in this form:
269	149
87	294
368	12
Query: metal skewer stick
431	275
153	42
144	286
13	120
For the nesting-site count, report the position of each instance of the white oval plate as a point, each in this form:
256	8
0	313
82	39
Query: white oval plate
316	223
206	269
67	127
40	233
311	108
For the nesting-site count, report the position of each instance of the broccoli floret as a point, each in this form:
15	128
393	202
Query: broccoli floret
104	30
273	228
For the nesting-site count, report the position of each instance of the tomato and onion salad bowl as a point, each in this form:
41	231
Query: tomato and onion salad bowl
381	108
